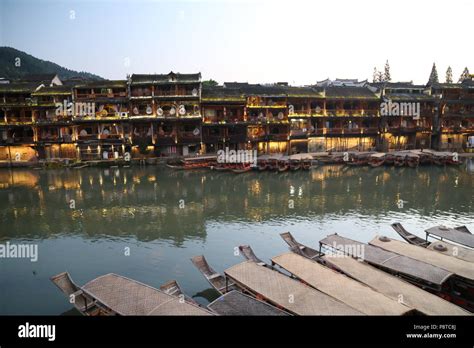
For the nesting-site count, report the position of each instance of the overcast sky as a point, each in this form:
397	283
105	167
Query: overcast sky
296	41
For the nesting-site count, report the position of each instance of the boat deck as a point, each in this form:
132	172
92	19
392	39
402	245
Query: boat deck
394	287
349	291
285	292
452	234
412	269
237	303
456	251
130	297
451	264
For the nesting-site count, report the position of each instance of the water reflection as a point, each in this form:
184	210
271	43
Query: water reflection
155	203
83	219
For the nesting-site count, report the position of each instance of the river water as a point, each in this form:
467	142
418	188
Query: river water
147	222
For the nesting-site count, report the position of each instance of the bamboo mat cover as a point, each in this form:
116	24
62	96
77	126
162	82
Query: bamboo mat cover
286	292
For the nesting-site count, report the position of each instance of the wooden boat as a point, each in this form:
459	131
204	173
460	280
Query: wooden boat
283	164
426	157
389	158
237	303
299	248
462	280
399	159
307	164
393	286
387	284
429	277
295	164
248	254
119	295
198	162
221	167
377	159
262	162
275	287
300	161
359	158
339	286
412	160
242	168
446	248
451	234
217	280
410	238
172	288
272	162
85	304
463	229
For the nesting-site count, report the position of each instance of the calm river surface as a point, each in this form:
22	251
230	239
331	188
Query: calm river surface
165	217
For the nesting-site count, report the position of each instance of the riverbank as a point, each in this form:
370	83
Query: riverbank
331	157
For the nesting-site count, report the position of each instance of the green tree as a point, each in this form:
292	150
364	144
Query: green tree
449	75
210	83
386	74
464	75
433	76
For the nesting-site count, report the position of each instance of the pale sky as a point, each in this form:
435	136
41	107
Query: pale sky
296	41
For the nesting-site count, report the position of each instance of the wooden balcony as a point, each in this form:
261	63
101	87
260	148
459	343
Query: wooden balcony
188	138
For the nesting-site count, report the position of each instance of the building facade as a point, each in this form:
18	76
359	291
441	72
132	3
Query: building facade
163	115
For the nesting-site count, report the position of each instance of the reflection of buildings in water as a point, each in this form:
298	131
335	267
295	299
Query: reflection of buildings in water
148	209
18	177
470	165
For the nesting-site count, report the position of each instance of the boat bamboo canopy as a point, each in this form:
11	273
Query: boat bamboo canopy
339	286
285	292
451	264
394	287
392	261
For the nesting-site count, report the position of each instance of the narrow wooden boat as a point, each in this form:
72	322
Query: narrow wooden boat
400	159
359	159
299	248
412	160
85	304
300	161
283	164
437	280
389	158
426	157
295	164
463	229
262	163
249	254
172	288
198	162
242	168
377	159
273	162
217	280
114	294
387	284
410	238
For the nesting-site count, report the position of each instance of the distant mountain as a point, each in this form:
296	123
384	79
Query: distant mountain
33	65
